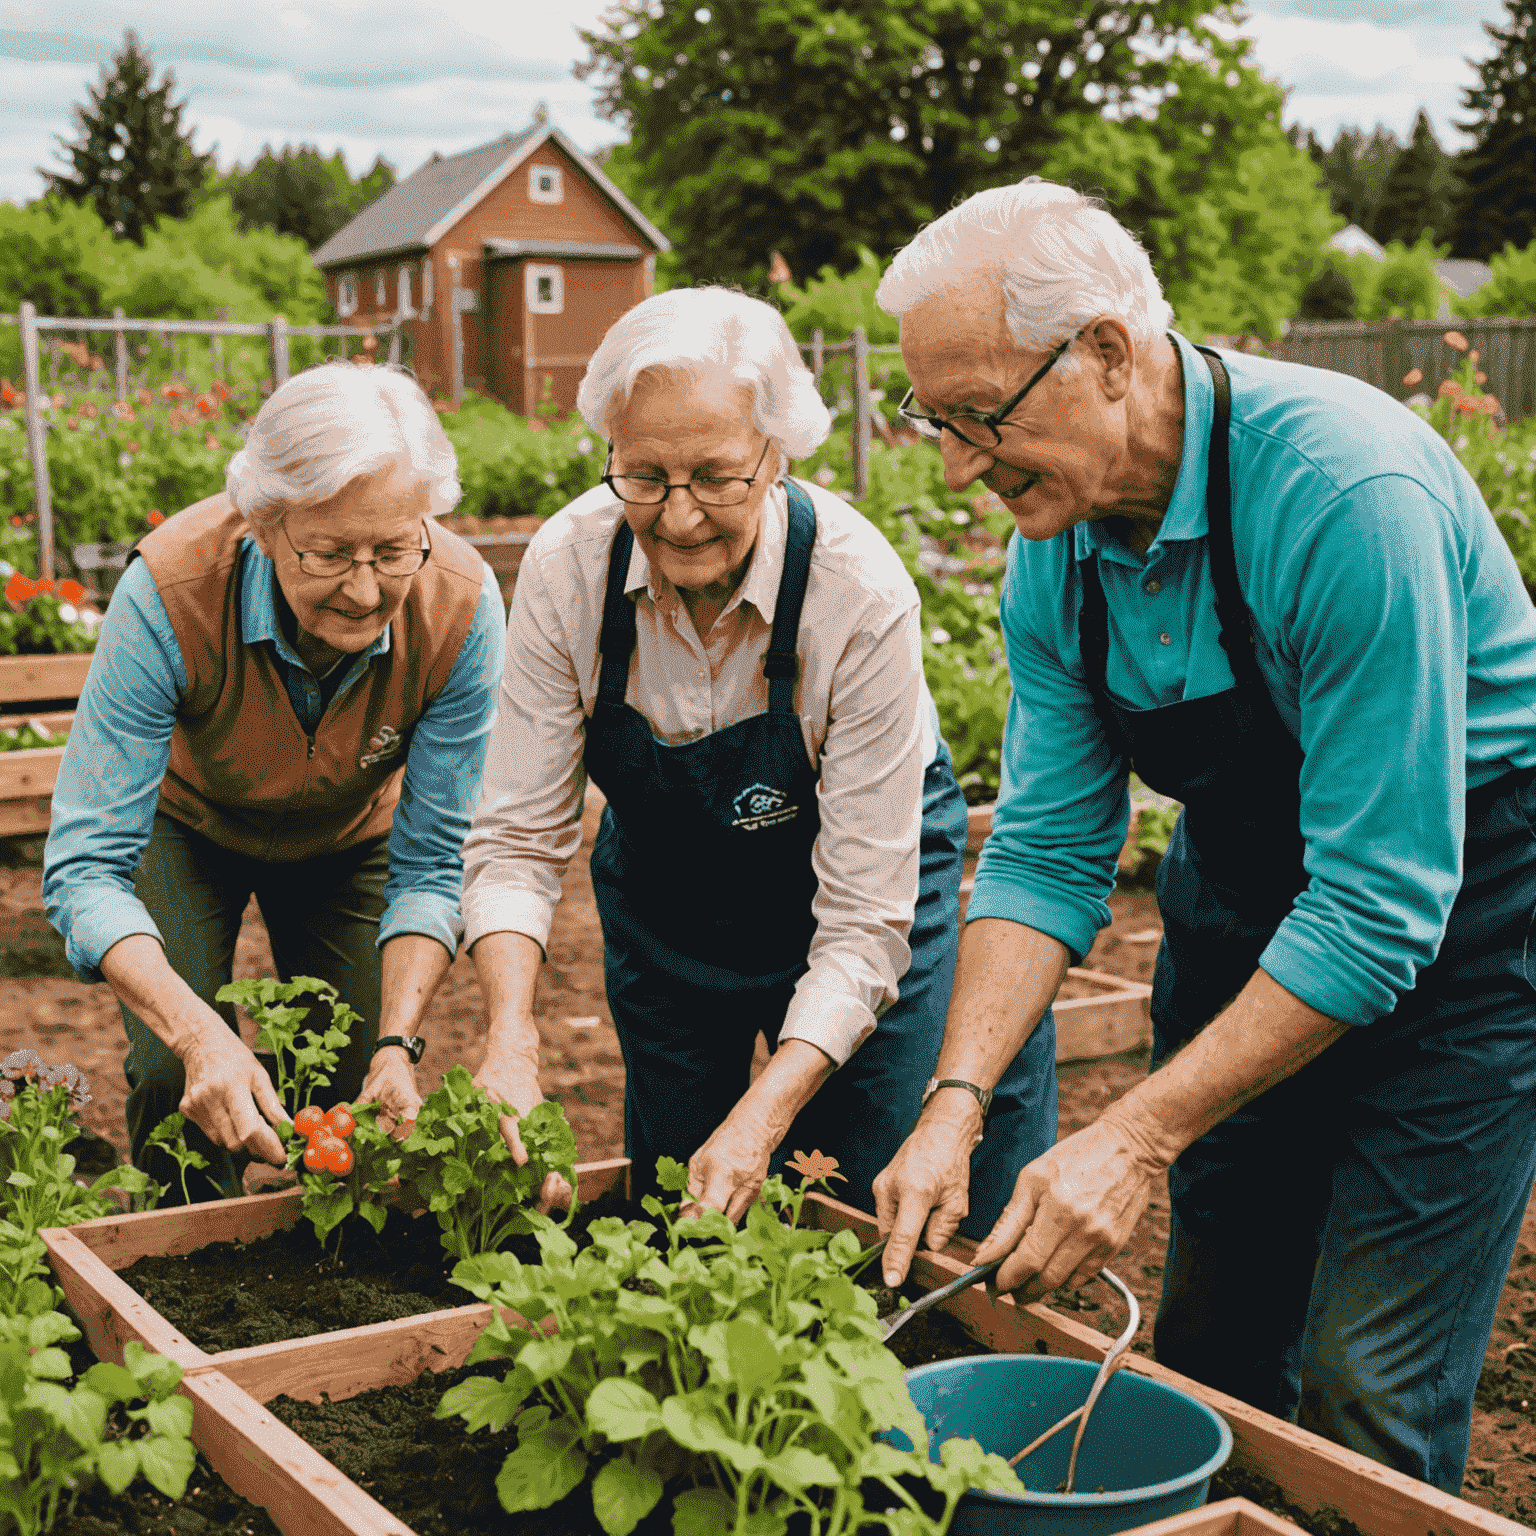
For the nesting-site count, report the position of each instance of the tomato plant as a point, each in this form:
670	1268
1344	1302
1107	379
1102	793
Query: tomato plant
304	1061
343	1177
309	1120
337	1157
340	1121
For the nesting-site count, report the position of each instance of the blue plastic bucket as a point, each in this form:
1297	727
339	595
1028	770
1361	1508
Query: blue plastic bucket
1152	1448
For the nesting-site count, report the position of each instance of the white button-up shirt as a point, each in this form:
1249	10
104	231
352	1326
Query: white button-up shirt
864	713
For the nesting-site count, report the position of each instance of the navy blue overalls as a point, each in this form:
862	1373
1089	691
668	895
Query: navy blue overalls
703	878
1337	1247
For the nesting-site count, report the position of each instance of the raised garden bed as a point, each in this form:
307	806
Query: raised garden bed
27	778
501	541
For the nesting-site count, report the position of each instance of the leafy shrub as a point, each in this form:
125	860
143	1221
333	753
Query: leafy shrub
514	466
1512	289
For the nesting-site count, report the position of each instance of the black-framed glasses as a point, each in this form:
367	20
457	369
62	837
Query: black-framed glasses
385	562
707	490
934	427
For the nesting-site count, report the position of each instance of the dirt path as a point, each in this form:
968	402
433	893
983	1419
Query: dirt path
66	1021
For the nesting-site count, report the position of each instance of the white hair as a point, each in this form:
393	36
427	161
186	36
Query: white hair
1058	257
699	331
330	425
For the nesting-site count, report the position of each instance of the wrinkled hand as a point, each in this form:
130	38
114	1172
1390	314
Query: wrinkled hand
226	1087
727	1172
1072	1210
517	1083
928	1181
391	1083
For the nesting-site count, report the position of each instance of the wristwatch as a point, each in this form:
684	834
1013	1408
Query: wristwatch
983	1096
413	1044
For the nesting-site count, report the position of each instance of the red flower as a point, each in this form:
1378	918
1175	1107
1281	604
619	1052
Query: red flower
221	389
155	518
72	424
71	591
208	405
45	585
20	588
89	409
1450	387
174	391
9	394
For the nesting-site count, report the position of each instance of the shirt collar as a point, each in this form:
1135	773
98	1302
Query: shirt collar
760	585
258	609
1185	518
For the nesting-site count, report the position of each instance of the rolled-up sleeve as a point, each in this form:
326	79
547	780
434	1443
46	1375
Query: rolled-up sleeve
109	780
528	826
867	853
442	778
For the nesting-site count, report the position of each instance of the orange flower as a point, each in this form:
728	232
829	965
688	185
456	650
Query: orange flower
72	424
1413	376
155	518
211	441
58	402
77	352
9	394
20	588
123	411
1450	387
812	1166
1457	340
71	591
208	405
1469	405
133	447
221	389
174	391
45	585
15	522
1480	377
145	398
89	409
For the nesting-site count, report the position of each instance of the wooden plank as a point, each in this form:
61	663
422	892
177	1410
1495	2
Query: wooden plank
264	1461
118	1240
1228	1517
1311	1471
31	772
22	818
1118	1018
56	721
978	823
42	677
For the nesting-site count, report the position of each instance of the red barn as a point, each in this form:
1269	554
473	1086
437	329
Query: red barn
508	263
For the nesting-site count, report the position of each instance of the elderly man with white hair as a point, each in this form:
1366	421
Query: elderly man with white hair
291	697
733	657
1275	594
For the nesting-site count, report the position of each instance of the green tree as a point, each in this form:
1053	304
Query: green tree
1329	296
1355	172
1401	285
813	129
1511	290
132	161
300	192
1498	207
1421	190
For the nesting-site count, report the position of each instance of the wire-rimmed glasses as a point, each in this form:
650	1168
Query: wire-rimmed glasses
707	490
385	562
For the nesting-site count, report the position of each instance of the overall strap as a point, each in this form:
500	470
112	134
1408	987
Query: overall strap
618	635
1093	627
1231	611
781	665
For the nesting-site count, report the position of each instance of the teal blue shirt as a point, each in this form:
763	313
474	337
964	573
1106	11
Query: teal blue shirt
1392	630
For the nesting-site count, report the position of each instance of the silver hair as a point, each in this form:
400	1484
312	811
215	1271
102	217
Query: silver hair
330	425
1059	259
698	331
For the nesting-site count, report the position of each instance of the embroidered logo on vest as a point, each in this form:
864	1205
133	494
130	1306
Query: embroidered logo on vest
387	744
758	806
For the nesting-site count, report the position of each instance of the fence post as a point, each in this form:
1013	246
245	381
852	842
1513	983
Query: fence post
456	324
861	422
279	333
37	439
818	355
394	342
120	358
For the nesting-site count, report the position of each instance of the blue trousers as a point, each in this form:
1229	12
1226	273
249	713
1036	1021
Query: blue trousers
1337	1247
688	1050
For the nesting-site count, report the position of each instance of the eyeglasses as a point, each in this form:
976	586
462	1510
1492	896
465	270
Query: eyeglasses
385	562
707	490
934	427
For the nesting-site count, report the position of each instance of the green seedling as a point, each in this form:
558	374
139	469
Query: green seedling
170	1136
305	1059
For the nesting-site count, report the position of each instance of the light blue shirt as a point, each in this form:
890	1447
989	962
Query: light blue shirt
1391	628
120	744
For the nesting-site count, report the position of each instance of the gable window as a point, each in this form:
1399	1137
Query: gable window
346	294
544	184
405	293
546	290
380	294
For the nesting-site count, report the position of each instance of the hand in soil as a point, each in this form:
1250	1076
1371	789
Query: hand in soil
1073	1209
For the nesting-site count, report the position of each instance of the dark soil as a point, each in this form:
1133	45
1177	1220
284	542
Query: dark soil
235	1295
1238	1483
209	1508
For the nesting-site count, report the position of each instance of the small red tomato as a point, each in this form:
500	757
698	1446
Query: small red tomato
314	1157
341	1121
336	1157
309	1120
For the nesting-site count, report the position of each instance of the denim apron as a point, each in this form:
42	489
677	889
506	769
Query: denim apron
703	878
1337	1247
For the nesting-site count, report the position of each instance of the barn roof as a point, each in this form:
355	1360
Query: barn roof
415	213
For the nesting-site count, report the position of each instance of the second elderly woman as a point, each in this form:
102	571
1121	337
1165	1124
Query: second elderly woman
733	657
290	697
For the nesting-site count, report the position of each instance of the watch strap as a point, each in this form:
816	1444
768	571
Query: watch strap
983	1096
413	1045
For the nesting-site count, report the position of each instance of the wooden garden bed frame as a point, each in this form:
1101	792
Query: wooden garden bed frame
27	778
268	1463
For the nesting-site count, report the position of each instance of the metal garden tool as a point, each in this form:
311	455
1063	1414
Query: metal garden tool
889	1325
1080	1415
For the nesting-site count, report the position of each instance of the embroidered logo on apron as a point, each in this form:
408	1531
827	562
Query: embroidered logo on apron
387	744
758	806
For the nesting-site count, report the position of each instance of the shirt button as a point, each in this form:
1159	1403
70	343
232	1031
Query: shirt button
1165	639
1154	587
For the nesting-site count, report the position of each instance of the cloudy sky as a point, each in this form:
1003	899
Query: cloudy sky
405	77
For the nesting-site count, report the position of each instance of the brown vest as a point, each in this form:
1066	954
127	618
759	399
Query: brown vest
242	770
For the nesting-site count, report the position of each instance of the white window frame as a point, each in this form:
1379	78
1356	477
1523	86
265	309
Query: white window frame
536	274
554	192
380	290
426	286
403	281
346	294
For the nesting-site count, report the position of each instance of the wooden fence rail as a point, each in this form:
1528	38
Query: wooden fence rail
817	350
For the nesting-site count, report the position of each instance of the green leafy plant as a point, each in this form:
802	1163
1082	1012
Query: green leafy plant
348	1173
170	1137
305	1059
25	1289
742	1369
54	1437
456	1159
30	735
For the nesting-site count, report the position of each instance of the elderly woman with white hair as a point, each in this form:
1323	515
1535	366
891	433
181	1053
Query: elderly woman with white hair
733	657
290	698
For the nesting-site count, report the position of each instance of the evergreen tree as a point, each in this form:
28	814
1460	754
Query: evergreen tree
132	160
1498	206
1355	171
1421	190
300	192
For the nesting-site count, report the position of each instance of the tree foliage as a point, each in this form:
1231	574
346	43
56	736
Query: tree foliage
301	192
1512	290
1499	169
133	161
1421	190
1355	171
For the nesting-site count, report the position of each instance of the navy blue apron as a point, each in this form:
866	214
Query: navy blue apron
1337	1246
703	878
